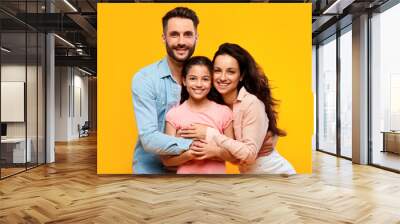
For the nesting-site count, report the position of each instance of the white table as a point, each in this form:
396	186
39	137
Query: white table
18	149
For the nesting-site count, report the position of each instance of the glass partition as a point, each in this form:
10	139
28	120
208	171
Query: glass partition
22	77
14	144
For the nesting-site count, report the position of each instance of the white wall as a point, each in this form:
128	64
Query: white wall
13	72
62	80
33	127
16	73
71	93
80	83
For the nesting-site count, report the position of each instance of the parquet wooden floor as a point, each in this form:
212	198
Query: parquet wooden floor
10	171
70	191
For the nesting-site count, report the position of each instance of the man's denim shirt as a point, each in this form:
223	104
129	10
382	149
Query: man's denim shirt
154	92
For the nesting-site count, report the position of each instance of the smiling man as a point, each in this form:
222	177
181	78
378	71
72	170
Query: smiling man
157	87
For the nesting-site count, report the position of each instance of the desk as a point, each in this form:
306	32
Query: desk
15	148
391	141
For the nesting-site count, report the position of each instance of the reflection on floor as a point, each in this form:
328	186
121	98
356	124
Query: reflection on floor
10	169
346	152
386	159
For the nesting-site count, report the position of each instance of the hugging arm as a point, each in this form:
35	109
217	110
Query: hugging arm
145	107
209	150
254	129
171	161
223	153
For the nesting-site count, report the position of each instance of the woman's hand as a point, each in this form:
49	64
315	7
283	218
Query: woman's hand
195	131
204	150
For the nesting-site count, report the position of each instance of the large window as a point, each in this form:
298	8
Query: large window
385	88
334	62
327	95
346	92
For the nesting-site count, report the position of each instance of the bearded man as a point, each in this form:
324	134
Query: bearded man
156	88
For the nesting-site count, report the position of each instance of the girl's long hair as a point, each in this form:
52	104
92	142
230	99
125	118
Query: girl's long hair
203	61
254	80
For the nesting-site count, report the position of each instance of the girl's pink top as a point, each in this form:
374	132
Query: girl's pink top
216	116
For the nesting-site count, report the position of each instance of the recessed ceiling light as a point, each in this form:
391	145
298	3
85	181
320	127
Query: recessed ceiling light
5	50
71	6
64	40
84	71
337	7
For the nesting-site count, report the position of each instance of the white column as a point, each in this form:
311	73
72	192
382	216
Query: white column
50	93
50	100
360	90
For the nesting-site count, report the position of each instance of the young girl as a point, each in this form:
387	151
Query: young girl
198	105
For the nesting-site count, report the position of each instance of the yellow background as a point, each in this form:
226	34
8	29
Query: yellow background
277	35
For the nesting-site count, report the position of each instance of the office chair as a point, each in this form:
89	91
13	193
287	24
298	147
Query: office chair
84	130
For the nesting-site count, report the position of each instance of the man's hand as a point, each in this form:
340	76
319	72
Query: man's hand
195	131
268	144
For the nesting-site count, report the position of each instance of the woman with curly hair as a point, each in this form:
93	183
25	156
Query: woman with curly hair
245	89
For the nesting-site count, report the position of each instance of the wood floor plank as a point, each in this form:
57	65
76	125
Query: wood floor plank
70	191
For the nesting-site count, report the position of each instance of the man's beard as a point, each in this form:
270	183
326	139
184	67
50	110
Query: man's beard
170	52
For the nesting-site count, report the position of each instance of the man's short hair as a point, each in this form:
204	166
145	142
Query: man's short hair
181	12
